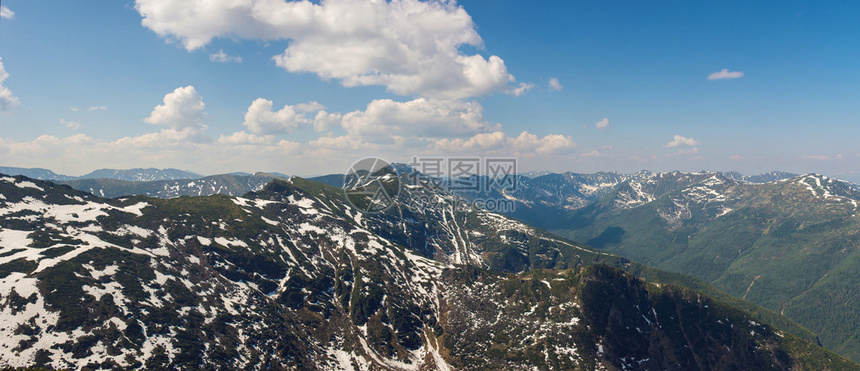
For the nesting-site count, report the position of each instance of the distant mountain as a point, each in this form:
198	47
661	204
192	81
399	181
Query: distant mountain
334	180
35	173
535	174
791	245
294	277
760	178
132	175
141	175
231	185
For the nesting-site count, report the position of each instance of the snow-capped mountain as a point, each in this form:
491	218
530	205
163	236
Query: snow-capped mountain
787	245
34	173
231	185
768	177
549	196
131	175
294	277
141	175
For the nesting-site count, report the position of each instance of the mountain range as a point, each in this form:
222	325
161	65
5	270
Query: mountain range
131	175
786	242
293	276
226	184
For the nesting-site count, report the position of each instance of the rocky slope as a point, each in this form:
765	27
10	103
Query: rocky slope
293	277
788	245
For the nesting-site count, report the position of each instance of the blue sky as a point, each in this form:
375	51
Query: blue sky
165	83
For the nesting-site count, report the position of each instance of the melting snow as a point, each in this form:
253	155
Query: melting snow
26	184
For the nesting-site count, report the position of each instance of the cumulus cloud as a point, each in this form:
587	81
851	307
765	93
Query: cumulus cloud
167	138
411	47
324	120
312	106
524	144
478	142
222	57
555	85
602	124
725	74
520	89
339	143
243	138
385	119
687	151
182	109
261	119
549	144
6	13
381	121
7	99
678	141
166	148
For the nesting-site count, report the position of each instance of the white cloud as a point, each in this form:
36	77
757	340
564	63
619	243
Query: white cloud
312	106
549	144
243	138
520	89
602	124
222	57
261	119
823	157
555	85
591	154
411	47
325	121
71	124
725	74
183	108
678	140
79	153
686	152
6	13
498	142
339	143
383	120
7	99
479	142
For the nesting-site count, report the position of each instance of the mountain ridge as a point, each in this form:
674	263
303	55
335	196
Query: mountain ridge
130	175
227	184
316	288
786	245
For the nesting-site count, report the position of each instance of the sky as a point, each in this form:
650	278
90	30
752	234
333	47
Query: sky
308	88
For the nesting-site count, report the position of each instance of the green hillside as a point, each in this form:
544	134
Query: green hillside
792	247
